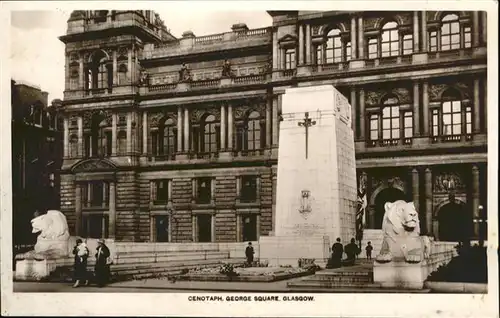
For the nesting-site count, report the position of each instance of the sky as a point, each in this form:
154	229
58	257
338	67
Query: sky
37	55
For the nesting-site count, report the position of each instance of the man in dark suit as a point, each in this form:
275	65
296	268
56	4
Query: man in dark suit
337	253
102	271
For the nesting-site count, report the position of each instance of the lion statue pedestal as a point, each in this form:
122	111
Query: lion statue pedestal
402	261
52	247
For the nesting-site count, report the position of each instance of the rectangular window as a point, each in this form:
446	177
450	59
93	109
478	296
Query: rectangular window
318	55
407	44
374	127
160	191
290	59
372	48
95	194
408	125
433	41
248	189
435	122
204	190
348	52
249	228
87	144
468	120
154	143
95	225
467	37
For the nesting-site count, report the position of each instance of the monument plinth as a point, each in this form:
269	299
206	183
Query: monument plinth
316	181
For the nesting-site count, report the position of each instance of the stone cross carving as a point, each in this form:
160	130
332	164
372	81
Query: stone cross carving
306	124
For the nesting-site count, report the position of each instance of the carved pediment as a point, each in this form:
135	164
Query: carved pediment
288	40
91	165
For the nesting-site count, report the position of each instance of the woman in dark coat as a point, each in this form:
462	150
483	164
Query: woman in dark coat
337	253
81	253
102	272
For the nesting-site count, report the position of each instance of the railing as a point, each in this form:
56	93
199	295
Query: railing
209	38
205	83
250	79
167	157
203	155
168	44
162	87
253	32
248	153
289	72
389	142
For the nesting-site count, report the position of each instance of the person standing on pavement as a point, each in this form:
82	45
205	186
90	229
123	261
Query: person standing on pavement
81	253
249	252
337	253
102	271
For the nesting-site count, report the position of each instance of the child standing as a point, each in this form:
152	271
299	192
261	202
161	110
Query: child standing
369	249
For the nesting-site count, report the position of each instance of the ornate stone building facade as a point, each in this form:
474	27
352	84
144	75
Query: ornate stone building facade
176	139
36	157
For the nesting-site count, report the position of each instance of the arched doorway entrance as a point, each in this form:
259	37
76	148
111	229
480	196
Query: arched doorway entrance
386	195
453	222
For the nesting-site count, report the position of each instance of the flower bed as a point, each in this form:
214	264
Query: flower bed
245	274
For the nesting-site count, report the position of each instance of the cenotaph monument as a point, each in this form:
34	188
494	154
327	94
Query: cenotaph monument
316	181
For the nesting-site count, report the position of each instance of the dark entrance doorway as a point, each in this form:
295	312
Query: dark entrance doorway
162	228
204	228
249	228
453	223
386	195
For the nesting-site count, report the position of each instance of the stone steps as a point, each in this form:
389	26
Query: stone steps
358	276
327	284
167	257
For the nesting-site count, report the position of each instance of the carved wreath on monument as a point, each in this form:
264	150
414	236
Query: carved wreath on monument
401	229
305	203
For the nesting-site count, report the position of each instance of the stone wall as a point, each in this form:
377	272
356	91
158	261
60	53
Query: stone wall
128	220
68	200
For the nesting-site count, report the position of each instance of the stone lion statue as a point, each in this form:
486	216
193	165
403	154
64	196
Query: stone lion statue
53	240
401	228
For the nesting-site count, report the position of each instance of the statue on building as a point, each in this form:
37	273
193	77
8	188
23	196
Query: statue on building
184	73
361	207
144	78
226	69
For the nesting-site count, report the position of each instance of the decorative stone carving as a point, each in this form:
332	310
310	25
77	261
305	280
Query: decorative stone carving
93	165
196	115
52	242
431	15
404	18
401	230
435	91
390	182
123	51
448	182
370	23
89	115
464	88
154	118
184	73
372	98
315	29
226	69
403	95
240	112
144	78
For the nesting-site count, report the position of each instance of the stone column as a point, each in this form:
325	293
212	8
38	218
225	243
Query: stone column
145	132
186	129
80	136
300	57
274	185
484	28
230	126
238	228
112	210
362	115
476	117
66	136
308	44
81	75
415	188
485	105
179	129
425	108
269	107
129	133
416	33
353	38
115	70
257	226
428	201
475	200
223	127
475	28
212	228
113	134
353	111
361	38
424	32
416	109
129	67
275	120
78	209
275	50
195	228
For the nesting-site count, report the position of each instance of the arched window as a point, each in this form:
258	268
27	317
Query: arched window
390	40
100	71
333	49
122	74
168	136
450	32
210	132
390	119
254	131
100	137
